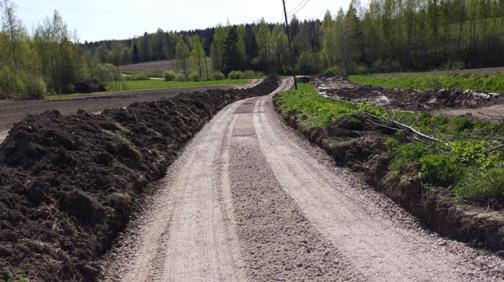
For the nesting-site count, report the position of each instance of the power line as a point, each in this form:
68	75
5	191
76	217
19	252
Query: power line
299	4
300	8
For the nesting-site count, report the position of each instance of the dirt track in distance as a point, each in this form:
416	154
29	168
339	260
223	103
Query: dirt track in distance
250	200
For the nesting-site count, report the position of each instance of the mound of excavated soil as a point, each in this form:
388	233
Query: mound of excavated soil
412	100
68	183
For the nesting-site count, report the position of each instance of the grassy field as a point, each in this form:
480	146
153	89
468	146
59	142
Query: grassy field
468	159
161	84
493	82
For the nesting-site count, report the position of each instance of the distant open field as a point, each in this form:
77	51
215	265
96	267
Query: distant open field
157	66
161	84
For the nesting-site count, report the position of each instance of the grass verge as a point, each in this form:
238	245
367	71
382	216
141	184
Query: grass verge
468	160
478	82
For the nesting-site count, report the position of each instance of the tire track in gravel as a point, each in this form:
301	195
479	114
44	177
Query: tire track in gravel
380	239
187	233
278	242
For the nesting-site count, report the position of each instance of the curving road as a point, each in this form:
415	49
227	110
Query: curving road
250	200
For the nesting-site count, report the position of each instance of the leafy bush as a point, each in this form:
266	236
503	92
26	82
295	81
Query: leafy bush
361	69
139	76
180	77
410	152
482	185
217	75
249	74
11	83
169	75
235	75
194	76
35	88
308	63
90	86
441	170
106	72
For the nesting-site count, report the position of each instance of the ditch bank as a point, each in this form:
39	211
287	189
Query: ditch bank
68	184
355	142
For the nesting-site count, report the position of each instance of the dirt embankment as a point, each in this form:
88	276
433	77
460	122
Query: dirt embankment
411	100
68	183
359	144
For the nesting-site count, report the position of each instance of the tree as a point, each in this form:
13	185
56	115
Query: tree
182	55
198	56
281	50
232	60
12	27
264	45
217	49
135	54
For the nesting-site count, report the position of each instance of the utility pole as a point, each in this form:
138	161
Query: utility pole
290	44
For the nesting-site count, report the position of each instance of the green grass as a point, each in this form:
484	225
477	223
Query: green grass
161	84
479	82
465	161
136	85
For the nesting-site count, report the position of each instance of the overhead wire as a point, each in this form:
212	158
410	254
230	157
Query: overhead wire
299	4
300	8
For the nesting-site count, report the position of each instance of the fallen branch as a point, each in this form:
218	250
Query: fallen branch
407	128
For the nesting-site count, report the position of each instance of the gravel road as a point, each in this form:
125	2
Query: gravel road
250	200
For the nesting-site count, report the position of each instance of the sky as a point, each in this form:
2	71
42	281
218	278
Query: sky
95	20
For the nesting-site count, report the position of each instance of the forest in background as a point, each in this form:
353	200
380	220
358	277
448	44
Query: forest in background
385	36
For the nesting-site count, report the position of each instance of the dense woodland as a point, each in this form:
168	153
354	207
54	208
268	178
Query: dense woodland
387	35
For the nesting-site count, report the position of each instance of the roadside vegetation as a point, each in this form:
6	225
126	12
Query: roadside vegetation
427	81
465	155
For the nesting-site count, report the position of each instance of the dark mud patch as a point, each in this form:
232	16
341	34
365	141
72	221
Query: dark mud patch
69	183
411	100
356	143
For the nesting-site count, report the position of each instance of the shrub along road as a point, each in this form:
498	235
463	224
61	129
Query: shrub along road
250	199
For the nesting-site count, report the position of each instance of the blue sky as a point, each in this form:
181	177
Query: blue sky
120	19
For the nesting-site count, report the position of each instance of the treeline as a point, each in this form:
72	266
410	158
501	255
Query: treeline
387	35
46	62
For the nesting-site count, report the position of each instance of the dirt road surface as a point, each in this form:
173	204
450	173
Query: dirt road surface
250	200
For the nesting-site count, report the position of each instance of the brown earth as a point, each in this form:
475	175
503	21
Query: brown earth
14	111
411	100
248	199
68	184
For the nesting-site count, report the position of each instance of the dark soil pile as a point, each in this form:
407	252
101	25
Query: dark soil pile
412	100
357	143
68	183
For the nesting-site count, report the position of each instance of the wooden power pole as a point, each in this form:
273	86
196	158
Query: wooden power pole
290	44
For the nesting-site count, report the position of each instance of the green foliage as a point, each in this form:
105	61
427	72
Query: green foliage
217	75
441	169
194	76
468	162
180	77
308	63
249	74
314	109
106	73
479	82
482	185
169	75
235	75
139	76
